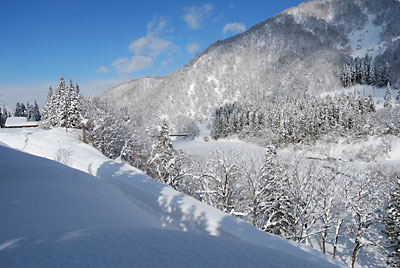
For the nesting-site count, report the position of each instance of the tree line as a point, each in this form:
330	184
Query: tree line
361	71
294	119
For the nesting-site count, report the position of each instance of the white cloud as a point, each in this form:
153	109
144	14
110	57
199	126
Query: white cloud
102	69
152	44
137	62
149	45
196	15
234	28
146	49
192	47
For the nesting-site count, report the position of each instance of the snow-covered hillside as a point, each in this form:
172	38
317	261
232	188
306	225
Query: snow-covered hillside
302	48
105	213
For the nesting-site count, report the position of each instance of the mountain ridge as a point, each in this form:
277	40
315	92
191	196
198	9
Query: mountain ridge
301	48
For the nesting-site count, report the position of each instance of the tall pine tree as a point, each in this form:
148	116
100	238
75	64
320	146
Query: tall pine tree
162	155
388	97
63	107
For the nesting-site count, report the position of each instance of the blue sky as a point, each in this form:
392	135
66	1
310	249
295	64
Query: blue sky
102	43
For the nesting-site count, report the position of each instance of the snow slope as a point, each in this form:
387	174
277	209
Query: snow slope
367	40
114	215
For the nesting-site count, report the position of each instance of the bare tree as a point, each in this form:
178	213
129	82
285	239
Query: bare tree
365	201
219	180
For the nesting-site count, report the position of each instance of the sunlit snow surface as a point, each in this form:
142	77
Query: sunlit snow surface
108	214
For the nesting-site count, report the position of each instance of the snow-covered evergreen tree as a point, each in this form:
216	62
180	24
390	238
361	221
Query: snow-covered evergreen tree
18	110
388	97
370	104
29	112
261	188
2	119
398	96
6	114
61	99
162	161
276	205
63	107
49	110
36	112
74	109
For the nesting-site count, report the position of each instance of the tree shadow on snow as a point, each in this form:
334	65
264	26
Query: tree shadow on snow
163	202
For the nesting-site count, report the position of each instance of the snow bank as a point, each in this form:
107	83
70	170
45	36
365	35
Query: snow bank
107	220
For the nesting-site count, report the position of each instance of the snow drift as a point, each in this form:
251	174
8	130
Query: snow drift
114	215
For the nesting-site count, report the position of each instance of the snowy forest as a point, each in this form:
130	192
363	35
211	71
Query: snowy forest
363	72
287	125
301	198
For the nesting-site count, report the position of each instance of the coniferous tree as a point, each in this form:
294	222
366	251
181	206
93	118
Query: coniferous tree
2	119
5	115
388	97
74	111
161	157
49	111
36	112
278	217
370	104
398	96
63	107
29	112
62	101
17	111
23	110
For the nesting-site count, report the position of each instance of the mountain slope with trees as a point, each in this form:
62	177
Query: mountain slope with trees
302	48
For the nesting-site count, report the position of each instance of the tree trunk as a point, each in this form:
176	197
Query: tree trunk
84	134
354	255
324	235
254	211
337	237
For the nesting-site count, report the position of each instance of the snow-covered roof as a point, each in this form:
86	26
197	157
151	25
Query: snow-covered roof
20	122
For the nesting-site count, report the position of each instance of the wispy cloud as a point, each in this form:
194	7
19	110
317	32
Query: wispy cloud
135	63
234	28
146	49
192	47
102	69
152	44
149	45
195	16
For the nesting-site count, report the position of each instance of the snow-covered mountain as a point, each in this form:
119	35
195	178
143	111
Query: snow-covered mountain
104	213
302	48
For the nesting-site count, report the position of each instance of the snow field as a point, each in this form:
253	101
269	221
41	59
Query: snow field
61	216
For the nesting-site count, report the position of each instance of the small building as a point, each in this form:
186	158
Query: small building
20	122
